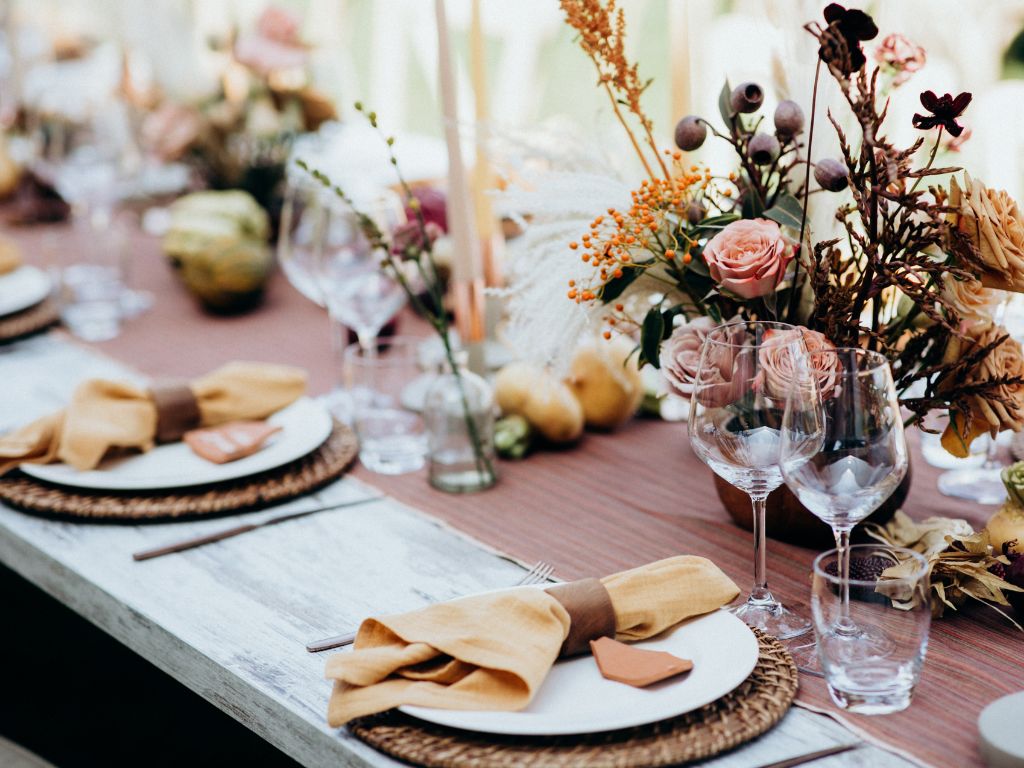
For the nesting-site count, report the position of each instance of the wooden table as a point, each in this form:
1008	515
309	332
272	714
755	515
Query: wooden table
266	594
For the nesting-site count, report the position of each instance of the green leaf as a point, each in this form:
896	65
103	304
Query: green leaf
725	105
614	287
650	337
787	211
714	223
753	207
698	265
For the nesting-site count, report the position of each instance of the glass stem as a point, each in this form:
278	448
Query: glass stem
843	550
991	460
759	593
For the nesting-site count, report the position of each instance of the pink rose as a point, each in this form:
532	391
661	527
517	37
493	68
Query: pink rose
723	363
749	257
275	44
279	24
680	354
782	368
170	131
407	239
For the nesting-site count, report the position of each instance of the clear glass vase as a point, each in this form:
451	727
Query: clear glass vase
459	414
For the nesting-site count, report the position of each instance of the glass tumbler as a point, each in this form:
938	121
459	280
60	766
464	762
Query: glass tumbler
391	431
874	671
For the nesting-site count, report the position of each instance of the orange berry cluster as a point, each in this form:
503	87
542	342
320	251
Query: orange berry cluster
609	245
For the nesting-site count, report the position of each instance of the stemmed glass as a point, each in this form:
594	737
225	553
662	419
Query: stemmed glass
736	411
326	258
357	292
843	448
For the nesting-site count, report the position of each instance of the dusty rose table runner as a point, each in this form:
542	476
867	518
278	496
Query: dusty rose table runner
615	502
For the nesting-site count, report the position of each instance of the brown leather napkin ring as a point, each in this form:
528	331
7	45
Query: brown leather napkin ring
177	410
590	611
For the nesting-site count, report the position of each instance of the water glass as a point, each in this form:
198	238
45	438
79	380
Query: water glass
874	670
90	295
378	380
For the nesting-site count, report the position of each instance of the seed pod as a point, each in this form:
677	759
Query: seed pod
831	175
746	98
691	132
695	213
763	149
789	119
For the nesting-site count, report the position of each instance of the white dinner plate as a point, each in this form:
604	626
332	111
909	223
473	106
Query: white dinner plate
22	288
305	424
576	699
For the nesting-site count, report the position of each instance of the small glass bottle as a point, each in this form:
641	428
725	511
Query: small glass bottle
459	415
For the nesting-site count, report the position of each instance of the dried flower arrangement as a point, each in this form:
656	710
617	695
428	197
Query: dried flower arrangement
912	274
240	137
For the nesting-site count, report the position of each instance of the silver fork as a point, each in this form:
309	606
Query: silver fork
538	574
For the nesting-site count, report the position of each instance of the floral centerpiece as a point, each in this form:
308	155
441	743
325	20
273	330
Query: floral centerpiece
241	136
912	272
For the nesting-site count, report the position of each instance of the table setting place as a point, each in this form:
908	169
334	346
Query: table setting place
451	430
645	664
26	306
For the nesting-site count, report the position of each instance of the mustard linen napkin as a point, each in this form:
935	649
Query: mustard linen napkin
10	257
108	414
493	651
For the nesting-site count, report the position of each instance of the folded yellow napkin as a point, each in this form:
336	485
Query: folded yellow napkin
108	414
10	257
493	651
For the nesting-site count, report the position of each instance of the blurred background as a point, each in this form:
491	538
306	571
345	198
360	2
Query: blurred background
63	57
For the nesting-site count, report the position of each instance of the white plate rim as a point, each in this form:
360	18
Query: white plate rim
316	432
504	723
36	287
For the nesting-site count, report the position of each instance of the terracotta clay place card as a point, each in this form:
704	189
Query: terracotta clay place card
634	666
229	442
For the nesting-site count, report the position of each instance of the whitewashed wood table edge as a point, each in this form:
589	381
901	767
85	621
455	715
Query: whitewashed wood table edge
266	593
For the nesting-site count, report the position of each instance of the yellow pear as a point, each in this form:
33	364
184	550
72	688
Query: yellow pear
539	397
608	387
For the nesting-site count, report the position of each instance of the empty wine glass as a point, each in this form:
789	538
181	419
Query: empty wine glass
736	410
843	450
326	258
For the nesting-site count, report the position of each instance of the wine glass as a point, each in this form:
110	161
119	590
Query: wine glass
843	449
325	257
736	410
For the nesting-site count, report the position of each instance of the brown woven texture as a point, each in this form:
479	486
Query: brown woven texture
736	718
294	479
32	320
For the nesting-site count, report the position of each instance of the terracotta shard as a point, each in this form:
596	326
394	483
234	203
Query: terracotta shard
635	666
229	442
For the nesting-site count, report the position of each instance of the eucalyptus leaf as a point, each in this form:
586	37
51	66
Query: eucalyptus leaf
725	104
714	223
787	211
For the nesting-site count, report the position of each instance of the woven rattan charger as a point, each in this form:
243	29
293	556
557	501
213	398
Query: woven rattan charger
736	718
296	478
28	321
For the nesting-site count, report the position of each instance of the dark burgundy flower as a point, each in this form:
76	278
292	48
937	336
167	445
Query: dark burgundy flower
854	27
944	111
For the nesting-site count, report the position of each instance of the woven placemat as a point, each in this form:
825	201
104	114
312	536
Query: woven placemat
296	478
28	321
744	714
